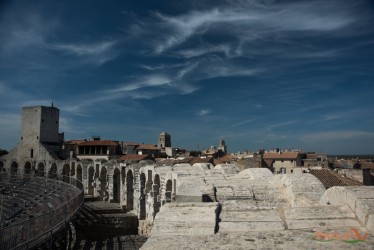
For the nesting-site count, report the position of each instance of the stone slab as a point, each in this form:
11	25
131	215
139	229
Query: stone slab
247	226
318	212
363	208
250	216
321	223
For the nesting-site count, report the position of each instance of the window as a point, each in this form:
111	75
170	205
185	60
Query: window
31	153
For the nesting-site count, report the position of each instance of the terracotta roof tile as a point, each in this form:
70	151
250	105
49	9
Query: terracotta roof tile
331	179
99	143
128	143
366	164
311	156
74	142
148	147
201	160
285	155
134	157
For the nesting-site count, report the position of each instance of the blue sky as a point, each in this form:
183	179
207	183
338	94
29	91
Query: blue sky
260	74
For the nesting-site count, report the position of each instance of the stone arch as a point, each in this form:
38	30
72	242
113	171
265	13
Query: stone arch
156	195
149	183
27	168
13	169
72	170
168	191
91	172
40	170
116	185
65	173
79	173
2	169
2	166
53	171
142	200
130	191
103	183
174	195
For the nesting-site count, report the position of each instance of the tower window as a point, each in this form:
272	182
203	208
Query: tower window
31	153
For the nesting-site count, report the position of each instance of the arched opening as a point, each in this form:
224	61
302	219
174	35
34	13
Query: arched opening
13	169
91	172
53	171
169	185
103	183
27	168
40	170
66	173
2	169
130	191
142	199
79	173
31	153
156	195
174	195
116	185
72	171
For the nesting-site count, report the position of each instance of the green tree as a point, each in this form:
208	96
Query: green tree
3	152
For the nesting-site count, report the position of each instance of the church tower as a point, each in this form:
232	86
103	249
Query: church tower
164	140
222	146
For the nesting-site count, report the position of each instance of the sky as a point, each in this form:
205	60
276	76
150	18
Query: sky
257	73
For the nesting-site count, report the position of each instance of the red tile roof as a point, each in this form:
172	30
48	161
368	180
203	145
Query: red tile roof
223	159
201	160
330	178
134	157
311	156
74	142
285	155
366	164
99	143
127	143
148	147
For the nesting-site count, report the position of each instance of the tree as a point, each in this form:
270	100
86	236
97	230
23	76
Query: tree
3	152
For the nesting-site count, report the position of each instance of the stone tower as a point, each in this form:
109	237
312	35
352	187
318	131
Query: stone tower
40	124
222	146
164	140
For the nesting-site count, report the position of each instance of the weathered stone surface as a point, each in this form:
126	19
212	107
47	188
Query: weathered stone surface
317	212
288	239
322	223
250	215
359	198
370	222
298	192
185	219
364	207
246	226
320	216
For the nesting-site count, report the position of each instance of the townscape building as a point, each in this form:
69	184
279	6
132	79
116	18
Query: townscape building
218	201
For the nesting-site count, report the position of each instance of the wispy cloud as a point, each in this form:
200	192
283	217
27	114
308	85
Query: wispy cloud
97	53
248	121
147	81
251	21
203	112
281	124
